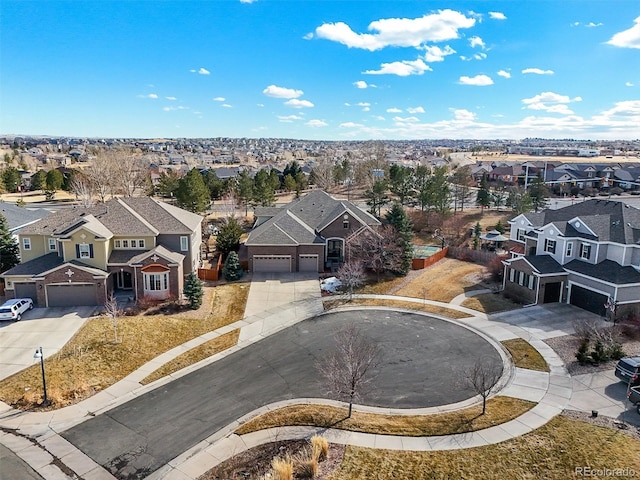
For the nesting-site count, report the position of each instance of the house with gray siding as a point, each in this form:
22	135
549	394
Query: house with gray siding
309	234
80	256
586	254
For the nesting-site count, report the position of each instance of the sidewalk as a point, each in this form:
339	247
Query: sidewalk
273	305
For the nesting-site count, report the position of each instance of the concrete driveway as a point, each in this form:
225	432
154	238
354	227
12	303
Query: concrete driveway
49	328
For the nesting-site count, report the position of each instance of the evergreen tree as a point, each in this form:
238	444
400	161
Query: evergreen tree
244	189
539	193
9	251
483	197
264	193
215	185
38	180
232	269
439	190
193	290
377	197
401	182
519	201
54	180
399	220
422	175
11	178
192	193
228	239
168	183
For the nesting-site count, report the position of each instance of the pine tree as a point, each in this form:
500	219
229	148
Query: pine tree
232	269
9	251
192	193
399	220
228	239
483	197
193	291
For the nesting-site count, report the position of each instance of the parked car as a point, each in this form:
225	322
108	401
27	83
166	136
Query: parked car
634	397
13	309
628	370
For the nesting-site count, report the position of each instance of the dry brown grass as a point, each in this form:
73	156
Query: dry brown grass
444	280
194	355
525	356
551	452
91	362
420	307
319	447
282	468
490	303
500	409
383	287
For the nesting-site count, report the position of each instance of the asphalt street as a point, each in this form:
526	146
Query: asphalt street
421	363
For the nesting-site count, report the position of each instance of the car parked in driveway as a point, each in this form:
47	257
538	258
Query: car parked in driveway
14	308
628	370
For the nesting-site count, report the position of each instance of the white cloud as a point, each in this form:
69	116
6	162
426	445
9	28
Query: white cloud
226	105
364	104
260	105
347	104
399	32
628	84
478	80
504	73
593	25
402	69
173	109
627	108
497	16
248	1
437	54
203	71
219	99
463	115
350	125
414	110
476	42
297	103
537	71
379	117
406	119
289	118
171	98
480	56
551	102
152	96
316	123
627	38
394	110
361	84
281	92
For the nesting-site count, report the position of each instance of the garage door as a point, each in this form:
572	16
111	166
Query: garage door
308	263
25	290
272	263
71	295
588	299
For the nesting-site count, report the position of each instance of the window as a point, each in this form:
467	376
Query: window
117	244
140	243
184	244
569	249
128	244
156	281
550	246
345	224
521	233
585	251
134	243
125	243
84	250
52	244
26	243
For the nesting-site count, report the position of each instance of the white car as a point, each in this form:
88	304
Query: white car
13	309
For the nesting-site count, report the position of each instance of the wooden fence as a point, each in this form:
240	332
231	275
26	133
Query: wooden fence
420	263
211	274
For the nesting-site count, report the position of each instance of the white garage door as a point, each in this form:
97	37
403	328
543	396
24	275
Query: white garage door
71	295
272	263
308	263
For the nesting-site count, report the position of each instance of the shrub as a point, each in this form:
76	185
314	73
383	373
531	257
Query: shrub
282	468
599	353
232	269
193	291
616	352
495	269
319	447
582	355
306	465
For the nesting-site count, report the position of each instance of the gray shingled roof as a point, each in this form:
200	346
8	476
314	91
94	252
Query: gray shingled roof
123	257
607	270
36	266
160	250
545	264
299	221
164	217
20	216
609	220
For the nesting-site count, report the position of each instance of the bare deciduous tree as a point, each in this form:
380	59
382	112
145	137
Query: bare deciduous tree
378	250
112	310
483	377
100	174
83	189
349	371
351	274
323	175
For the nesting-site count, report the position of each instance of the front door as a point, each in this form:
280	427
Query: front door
123	280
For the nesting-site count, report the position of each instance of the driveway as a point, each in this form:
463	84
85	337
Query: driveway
270	290
49	328
421	360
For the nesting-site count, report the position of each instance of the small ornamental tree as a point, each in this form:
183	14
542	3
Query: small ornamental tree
193	291
352	275
232	269
113	312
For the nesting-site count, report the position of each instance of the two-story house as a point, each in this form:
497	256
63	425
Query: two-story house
79	256
307	235
586	254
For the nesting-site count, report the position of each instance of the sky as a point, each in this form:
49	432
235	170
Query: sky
321	70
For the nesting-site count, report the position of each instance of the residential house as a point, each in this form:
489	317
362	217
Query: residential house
586	254
80	256
20	217
309	234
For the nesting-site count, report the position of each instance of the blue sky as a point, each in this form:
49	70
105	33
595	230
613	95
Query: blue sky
321	69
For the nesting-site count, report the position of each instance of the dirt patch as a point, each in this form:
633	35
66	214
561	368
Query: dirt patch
254	463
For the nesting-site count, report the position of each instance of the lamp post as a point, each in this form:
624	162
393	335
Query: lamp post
39	355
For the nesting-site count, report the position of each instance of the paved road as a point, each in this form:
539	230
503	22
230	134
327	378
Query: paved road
13	467
422	357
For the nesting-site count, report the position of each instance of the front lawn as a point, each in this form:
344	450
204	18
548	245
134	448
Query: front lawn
91	361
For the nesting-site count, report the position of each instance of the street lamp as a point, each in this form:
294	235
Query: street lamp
39	355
